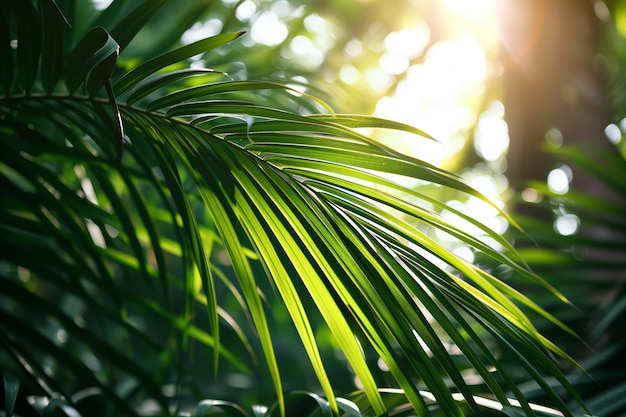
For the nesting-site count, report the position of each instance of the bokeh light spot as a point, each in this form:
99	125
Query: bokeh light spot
559	179
393	63
246	10
554	137
491	138
353	48
613	133
567	224
202	30
268	29
408	42
530	195
349	74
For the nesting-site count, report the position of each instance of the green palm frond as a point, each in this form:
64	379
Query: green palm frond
120	188
589	265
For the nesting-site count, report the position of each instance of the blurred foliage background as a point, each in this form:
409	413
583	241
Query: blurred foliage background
527	99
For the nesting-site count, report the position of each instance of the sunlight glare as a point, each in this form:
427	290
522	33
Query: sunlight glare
403	45
268	29
378	79
408	42
201	30
491	138
434	96
476	9
441	90
393	63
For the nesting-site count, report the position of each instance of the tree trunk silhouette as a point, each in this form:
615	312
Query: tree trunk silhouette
553	79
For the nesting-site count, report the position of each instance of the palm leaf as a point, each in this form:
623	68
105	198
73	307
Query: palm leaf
303	204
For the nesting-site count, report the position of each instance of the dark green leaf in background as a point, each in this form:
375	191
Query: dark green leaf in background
92	61
54	25
6	53
133	22
11	388
29	42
